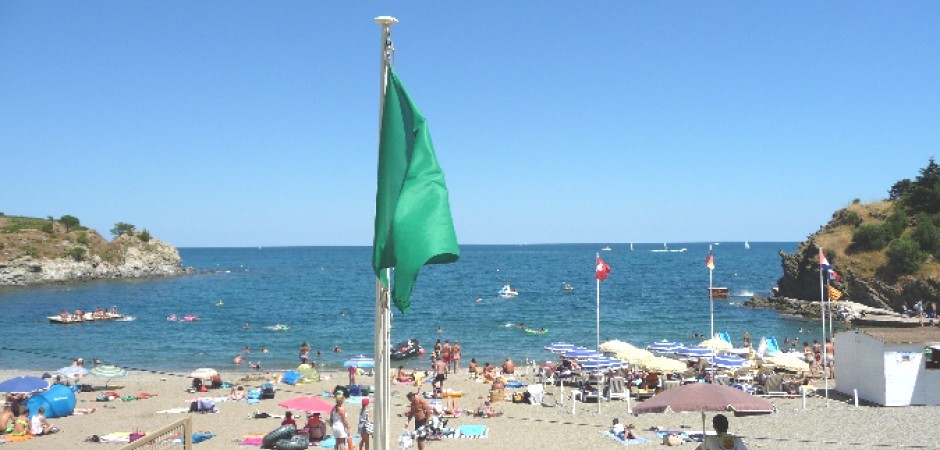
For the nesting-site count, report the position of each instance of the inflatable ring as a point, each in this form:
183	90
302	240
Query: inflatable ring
295	443
283	432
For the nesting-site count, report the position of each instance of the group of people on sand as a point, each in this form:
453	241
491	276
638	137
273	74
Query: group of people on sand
448	354
18	423
338	425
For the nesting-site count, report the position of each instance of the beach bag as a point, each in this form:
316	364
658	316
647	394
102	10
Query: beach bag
350	444
267	391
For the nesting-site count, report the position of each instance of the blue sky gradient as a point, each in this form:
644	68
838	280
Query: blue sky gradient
235	123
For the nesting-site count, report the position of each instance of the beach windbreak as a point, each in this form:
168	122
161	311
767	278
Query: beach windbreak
413	224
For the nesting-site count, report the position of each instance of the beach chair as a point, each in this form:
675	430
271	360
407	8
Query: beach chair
590	388
536	392
617	389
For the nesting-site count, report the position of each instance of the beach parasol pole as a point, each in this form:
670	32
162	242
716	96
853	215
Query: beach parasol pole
598	310
383	312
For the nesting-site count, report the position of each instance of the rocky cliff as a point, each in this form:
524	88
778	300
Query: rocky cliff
863	279
29	257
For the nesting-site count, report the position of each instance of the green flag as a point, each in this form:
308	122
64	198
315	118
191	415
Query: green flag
413	226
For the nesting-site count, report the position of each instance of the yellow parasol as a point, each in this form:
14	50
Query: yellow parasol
616	346
634	355
793	362
717	344
662	364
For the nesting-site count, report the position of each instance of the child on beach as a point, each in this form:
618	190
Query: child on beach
365	425
39	425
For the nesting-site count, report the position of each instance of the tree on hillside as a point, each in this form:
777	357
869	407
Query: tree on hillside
123	228
922	194
69	222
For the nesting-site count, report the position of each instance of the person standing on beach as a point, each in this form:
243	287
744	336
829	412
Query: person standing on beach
420	411
440	370
721	440
338	418
304	353
365	425
455	360
446	353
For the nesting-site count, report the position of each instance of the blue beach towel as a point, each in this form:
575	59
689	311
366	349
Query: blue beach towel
515	384
638	440
473	431
331	441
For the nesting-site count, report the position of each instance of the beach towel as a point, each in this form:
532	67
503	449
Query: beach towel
118	437
515	384
473	431
252	439
8	438
331	441
173	410
638	440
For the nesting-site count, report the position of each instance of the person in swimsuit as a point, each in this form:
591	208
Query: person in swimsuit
304	353
6	419
420	411
446	354
455	360
21	423
338	418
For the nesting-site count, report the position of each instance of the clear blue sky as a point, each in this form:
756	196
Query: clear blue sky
236	123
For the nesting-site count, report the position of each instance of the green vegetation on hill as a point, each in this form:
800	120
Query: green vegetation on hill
64	238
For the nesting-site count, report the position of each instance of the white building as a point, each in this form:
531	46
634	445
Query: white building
890	366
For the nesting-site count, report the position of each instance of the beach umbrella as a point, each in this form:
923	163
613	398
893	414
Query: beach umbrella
580	354
634	355
716	344
597	364
789	361
664	346
703	397
204	373
698	352
361	362
559	347
108	371
729	361
73	371
308	405
24	385
616	346
661	364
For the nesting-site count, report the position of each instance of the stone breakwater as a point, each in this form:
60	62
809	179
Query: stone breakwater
136	259
842	310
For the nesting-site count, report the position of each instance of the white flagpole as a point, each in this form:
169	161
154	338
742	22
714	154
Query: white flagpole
383	313
598	308
711	297
822	307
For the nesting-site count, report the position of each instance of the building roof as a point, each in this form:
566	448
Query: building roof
930	334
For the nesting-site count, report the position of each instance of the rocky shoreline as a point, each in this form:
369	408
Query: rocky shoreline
137	260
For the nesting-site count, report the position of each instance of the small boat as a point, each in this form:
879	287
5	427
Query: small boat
747	246
631	246
278	327
532	331
568	287
666	249
606	249
85	317
718	292
406	349
507	291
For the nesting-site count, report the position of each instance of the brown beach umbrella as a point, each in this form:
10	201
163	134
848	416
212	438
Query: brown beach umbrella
704	397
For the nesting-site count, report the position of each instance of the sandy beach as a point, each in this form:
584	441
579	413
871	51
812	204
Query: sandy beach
833	424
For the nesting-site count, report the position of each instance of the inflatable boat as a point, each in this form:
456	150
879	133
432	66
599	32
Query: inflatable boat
406	349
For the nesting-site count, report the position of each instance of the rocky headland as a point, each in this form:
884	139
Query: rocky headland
869	281
38	251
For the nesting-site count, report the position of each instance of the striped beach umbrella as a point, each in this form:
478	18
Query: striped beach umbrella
729	361
361	361
108	371
560	347
664	346
695	352
203	373
580	354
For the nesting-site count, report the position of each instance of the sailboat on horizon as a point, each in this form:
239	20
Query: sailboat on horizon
747	246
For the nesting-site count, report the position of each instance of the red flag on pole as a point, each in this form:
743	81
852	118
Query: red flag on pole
602	269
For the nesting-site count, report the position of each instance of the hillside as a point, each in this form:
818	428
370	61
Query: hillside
37	251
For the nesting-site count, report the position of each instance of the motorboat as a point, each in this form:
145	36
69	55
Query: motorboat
606	249
507	291
534	331
406	349
568	287
278	327
85	317
666	249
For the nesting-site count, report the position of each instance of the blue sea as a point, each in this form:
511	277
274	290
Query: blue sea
326	296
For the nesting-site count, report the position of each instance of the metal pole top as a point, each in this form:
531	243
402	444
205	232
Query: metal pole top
386	21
